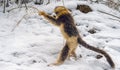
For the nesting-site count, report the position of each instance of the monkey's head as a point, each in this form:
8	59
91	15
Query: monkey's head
61	10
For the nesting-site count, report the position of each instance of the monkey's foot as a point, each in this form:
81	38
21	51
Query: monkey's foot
55	64
72	56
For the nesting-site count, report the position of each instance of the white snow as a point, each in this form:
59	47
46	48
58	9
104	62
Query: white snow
35	43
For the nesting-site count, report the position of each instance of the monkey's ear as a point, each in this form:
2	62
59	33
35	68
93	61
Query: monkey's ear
42	13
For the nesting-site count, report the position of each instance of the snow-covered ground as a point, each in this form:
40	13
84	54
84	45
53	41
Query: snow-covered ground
35	42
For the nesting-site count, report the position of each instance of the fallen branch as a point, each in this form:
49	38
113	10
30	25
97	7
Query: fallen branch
109	14
115	19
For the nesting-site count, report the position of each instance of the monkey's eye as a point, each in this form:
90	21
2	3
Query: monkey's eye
56	12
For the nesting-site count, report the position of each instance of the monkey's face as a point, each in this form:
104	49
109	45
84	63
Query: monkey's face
60	10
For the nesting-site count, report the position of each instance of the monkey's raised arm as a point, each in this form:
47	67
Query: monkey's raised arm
49	18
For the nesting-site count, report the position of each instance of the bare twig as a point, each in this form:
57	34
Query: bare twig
19	22
23	7
23	16
34	8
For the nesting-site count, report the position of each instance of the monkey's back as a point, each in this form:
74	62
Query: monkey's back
68	25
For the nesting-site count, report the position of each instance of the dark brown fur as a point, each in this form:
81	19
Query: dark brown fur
69	31
64	52
68	28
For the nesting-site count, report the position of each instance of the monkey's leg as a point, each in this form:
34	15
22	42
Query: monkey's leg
73	54
73	45
62	56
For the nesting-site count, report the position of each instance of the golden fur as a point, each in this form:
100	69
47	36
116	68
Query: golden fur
61	11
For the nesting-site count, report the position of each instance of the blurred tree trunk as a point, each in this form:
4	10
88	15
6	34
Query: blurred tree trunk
25	4
19	3
4	6
7	4
39	2
48	1
22	1
1	2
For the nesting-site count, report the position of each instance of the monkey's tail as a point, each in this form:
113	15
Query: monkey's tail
83	43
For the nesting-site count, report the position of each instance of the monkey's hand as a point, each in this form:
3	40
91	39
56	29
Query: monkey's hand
42	13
